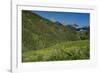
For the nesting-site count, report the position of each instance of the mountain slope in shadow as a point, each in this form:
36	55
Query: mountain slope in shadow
39	32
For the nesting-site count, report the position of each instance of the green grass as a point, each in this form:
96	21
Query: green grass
71	50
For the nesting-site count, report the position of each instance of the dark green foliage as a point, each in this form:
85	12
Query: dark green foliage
84	35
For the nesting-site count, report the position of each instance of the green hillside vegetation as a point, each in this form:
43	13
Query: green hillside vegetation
44	40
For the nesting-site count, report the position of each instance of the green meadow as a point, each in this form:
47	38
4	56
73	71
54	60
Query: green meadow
73	50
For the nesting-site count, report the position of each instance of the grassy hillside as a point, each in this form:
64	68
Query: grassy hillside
38	32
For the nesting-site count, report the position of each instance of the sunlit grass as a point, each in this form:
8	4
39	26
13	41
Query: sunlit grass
72	50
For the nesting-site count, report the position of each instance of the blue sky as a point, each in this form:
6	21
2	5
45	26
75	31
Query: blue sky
82	19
